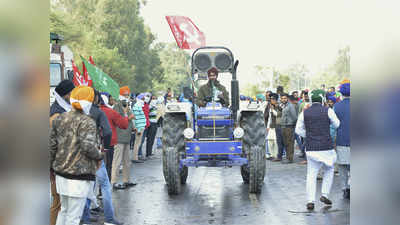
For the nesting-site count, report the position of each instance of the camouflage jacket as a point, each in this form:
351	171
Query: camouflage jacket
73	146
206	91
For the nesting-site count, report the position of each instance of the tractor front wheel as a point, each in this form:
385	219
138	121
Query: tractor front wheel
173	147
254	148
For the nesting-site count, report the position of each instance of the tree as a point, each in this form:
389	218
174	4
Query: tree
175	63
297	73
335	73
113	32
283	80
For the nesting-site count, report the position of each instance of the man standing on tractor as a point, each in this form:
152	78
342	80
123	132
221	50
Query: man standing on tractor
212	91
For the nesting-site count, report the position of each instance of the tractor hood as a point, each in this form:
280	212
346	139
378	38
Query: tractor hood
214	115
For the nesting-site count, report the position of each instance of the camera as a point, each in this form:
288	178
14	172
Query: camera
124	103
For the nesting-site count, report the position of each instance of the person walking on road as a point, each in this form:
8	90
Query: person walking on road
314	125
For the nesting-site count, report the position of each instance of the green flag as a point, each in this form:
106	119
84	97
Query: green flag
101	81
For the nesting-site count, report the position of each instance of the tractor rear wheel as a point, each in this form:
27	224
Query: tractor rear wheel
254	149
173	146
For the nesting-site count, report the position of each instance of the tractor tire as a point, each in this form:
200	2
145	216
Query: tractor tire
173	146
254	150
173	178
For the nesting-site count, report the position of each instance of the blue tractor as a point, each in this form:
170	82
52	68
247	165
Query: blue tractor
214	136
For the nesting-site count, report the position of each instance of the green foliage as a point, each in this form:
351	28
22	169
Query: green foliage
284	80
176	66
252	90
297	76
113	32
335	73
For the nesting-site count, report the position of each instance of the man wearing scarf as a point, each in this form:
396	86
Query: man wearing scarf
74	156
314	125
60	105
342	109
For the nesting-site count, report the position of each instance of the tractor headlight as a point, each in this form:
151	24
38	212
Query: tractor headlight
173	107
238	132
188	133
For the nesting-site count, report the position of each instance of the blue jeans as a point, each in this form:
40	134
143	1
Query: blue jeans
105	186
299	142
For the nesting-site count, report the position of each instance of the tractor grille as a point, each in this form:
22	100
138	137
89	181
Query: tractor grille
221	133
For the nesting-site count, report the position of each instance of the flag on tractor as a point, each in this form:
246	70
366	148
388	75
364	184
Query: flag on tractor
187	35
101	81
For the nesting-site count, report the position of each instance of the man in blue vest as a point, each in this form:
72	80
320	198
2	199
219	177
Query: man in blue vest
314	125
342	110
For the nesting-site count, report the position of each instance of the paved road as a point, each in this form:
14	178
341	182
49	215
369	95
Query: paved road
218	196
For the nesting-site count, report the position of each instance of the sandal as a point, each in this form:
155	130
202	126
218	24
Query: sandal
119	186
130	184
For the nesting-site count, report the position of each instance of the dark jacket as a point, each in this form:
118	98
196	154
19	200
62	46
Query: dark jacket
103	126
72	146
266	113
342	110
206	91
56	108
317	124
272	117
124	135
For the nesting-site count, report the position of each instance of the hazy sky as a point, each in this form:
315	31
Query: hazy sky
261	32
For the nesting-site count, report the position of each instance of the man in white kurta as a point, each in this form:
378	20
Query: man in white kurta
314	125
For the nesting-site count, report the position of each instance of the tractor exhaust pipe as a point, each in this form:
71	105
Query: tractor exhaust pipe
235	93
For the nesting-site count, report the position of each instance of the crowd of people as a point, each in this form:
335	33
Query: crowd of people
318	123
93	139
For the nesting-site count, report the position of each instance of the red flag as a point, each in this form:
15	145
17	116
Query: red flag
186	33
91	60
86	77
78	79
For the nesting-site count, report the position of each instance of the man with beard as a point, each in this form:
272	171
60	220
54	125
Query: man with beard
213	91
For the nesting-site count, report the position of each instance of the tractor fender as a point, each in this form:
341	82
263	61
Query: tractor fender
180	108
246	106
